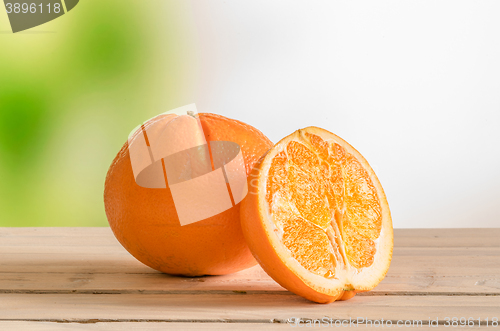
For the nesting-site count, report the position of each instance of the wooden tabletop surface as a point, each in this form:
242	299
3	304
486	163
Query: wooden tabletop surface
82	279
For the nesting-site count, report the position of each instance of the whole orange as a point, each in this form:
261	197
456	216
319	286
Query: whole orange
145	221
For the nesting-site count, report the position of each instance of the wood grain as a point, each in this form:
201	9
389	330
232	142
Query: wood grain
260	308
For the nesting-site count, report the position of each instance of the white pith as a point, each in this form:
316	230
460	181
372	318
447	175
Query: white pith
347	277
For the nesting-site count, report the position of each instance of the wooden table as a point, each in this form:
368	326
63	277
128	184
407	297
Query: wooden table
82	279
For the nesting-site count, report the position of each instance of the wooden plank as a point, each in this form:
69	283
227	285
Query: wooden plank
63	263
251	280
416	262
103	236
237	308
447	237
157	326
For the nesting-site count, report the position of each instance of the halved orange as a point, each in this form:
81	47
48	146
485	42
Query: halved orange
316	217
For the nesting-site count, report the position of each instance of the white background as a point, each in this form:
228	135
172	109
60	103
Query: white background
413	85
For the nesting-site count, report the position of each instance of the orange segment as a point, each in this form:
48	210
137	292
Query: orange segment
306	194
277	177
318	203
302	156
359	250
319	145
362	203
309	246
304	178
328	184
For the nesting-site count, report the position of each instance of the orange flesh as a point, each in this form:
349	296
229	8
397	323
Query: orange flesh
324	206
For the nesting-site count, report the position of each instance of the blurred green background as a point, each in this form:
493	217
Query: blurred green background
70	92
